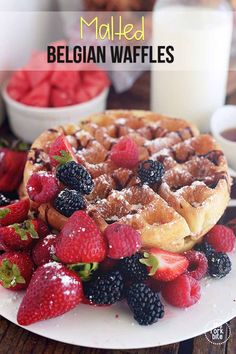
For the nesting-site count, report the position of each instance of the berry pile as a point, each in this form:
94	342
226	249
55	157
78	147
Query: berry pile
66	187
83	263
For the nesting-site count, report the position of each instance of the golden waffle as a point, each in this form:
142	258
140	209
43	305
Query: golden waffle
195	187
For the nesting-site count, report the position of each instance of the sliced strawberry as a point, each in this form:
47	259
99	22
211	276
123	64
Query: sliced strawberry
164	265
38	69
82	95
64	79
18	85
14	213
98	79
61	151
12	165
60	98
39	96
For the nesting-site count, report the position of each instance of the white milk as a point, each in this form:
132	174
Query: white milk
194	86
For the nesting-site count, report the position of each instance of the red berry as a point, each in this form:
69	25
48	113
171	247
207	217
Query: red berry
42	187
184	291
15	212
44	249
221	238
164	265
12	165
42	228
61	151
16	269
19	236
197	264
123	240
53	290
80	240
125	153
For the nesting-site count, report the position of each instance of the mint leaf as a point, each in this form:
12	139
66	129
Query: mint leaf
64	158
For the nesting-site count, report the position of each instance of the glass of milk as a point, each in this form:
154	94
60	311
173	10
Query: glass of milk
194	86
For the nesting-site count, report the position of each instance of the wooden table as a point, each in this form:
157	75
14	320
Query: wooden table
16	340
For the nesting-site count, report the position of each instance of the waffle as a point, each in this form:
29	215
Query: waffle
195	188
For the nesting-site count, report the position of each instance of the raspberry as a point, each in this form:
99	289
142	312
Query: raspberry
184	291
105	289
221	238
75	176
151	172
132	269
125	153
219	265
145	304
69	201
42	187
197	264
123	240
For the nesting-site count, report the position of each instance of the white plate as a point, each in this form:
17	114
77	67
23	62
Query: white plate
114	328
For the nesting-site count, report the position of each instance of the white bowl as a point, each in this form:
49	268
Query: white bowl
225	118
28	122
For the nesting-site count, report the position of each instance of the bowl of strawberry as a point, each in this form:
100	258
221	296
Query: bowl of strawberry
41	96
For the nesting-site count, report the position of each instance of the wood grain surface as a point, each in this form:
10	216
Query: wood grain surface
15	340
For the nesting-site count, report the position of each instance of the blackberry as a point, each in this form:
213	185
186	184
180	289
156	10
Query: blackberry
105	289
75	176
145	304
132	269
4	200
219	264
151	172
205	248
68	201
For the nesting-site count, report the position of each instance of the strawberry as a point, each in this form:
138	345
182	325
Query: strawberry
19	236
125	153
61	151
80	240
12	165
65	80
53	290
18	85
221	238
61	98
164	265
14	213
182	292
41	228
16	269
42	187
123	240
44	249
39	96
